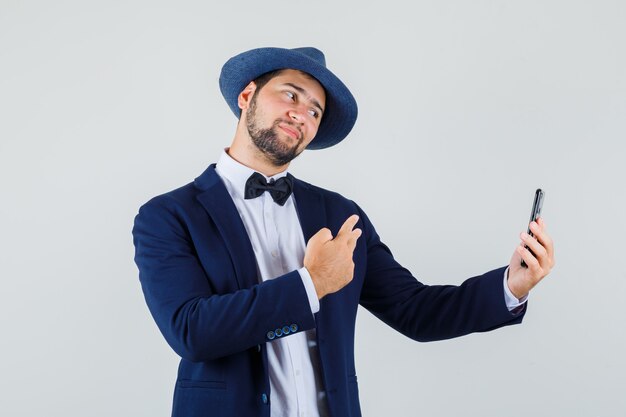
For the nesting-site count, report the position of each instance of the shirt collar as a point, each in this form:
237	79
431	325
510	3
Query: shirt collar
237	173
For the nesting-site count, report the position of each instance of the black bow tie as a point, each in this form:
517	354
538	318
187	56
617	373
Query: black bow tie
280	190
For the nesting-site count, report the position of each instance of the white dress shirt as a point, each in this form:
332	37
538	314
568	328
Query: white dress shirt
278	243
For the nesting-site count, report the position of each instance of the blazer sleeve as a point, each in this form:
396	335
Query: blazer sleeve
430	312
198	323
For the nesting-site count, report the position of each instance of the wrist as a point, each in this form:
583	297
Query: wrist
318	288
517	292
316	283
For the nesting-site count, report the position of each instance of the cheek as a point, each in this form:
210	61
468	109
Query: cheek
313	129
311	133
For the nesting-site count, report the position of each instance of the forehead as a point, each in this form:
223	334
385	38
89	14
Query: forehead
303	80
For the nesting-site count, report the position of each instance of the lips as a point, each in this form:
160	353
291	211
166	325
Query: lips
291	132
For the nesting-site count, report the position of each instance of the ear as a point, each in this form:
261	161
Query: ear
244	98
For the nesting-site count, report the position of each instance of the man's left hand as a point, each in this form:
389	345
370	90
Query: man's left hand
522	279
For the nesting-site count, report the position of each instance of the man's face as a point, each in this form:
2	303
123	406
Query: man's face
284	115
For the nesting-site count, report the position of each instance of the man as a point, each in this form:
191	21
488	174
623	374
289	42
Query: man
258	291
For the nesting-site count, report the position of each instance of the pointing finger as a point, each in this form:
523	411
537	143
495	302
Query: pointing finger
347	227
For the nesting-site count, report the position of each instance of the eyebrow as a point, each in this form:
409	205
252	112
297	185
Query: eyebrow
304	92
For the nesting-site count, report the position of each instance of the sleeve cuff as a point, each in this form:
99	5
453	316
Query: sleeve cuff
314	302
512	302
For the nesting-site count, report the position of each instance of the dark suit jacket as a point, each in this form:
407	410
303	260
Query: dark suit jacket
199	277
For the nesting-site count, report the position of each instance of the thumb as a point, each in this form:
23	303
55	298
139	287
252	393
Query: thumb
322	236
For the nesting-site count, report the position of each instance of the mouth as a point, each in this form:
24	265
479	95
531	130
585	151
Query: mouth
295	134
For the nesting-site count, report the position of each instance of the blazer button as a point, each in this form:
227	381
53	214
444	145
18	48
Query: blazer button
258	348
294	328
264	398
286	330
278	332
271	335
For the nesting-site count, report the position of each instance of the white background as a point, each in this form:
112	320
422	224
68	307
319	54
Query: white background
465	109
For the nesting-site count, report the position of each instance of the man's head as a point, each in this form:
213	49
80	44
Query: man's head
340	109
282	111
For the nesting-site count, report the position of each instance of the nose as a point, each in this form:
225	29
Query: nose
296	115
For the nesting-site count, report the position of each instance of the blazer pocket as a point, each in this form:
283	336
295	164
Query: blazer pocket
188	383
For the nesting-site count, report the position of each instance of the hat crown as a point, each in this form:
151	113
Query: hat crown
313	53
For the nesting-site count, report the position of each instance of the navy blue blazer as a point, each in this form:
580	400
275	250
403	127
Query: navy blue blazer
199	277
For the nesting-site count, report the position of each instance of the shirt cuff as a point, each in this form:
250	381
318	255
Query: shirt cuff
512	302
314	302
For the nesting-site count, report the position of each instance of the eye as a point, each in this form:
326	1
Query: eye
314	113
291	95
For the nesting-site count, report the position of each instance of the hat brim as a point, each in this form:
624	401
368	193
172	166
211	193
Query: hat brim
340	112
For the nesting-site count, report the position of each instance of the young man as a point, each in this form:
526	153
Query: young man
258	291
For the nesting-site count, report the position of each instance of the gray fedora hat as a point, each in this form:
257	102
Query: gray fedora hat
340	112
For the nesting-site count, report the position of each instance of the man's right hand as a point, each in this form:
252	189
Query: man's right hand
329	260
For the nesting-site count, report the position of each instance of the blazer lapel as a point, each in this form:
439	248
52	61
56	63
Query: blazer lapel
310	208
220	206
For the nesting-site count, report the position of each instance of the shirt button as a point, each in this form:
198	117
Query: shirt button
274	253
298	373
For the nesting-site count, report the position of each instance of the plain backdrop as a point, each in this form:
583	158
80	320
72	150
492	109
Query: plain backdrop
465	109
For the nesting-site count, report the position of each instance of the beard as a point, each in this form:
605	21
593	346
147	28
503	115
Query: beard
267	141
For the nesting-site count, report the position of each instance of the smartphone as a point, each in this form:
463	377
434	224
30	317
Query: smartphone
534	214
